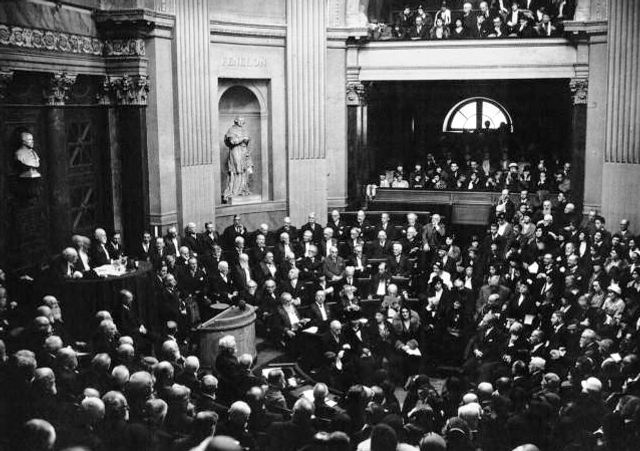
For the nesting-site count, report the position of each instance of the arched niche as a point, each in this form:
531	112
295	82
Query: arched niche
246	100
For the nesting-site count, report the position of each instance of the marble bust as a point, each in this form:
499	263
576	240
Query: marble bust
27	158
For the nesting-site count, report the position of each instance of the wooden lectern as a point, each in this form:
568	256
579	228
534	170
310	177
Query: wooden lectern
233	321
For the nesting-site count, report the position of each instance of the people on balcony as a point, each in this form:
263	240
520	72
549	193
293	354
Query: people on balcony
497	19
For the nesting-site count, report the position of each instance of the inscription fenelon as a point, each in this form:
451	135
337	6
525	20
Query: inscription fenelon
243	61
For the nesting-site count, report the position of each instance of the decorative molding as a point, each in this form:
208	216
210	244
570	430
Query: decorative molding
124	47
248	29
56	90
5	78
54	41
356	94
130	90
47	40
579	91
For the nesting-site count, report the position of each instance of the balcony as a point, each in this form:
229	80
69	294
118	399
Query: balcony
488	59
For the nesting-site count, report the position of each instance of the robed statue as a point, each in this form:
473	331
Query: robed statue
239	165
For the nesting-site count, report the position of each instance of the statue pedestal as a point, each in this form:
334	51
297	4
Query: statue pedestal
242	200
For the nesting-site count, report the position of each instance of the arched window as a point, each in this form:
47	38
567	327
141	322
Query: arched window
476	113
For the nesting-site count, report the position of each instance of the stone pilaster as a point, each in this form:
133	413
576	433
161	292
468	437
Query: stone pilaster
6	76
579	95
306	86
194	107
621	170
357	123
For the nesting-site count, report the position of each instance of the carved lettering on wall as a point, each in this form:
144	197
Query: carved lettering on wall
243	61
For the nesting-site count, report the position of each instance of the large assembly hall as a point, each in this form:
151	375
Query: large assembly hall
319	225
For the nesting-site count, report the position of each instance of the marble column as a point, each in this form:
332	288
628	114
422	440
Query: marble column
197	172
621	171
56	92
306	80
357	118
579	94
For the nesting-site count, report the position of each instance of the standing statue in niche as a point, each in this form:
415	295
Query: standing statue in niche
239	165
27	158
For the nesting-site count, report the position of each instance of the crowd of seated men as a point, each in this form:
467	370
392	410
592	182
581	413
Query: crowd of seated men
478	174
495	19
535	324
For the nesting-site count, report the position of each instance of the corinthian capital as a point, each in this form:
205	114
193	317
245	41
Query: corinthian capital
131	90
56	90
579	90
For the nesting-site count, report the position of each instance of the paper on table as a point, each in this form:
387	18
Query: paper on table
311	330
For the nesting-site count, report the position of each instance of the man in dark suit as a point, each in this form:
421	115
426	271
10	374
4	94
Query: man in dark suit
242	273
221	286
381	248
63	266
521	304
268	268
480	28
364	225
172	241
172	308
114	246
380	281
348	248
319	313
315	228
270	238
332	341
360	262
293	434
419	30
258	251
469	18
145	248
386	227
129	323
284	249
192	281
295	287
232	255
209	238
338	226
310	265
398	264
513	16
328	241
190	239
159	253
99	254
232	232
288	228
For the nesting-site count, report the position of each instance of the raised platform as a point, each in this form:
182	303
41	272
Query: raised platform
462	207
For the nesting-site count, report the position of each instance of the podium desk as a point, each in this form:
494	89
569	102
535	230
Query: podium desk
232	321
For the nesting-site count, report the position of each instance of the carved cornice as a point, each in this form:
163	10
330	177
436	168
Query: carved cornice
579	91
5	78
46	40
56	90
54	41
356	94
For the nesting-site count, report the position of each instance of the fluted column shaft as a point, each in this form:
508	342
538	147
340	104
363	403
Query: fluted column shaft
197	172
623	100
621	169
306	80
